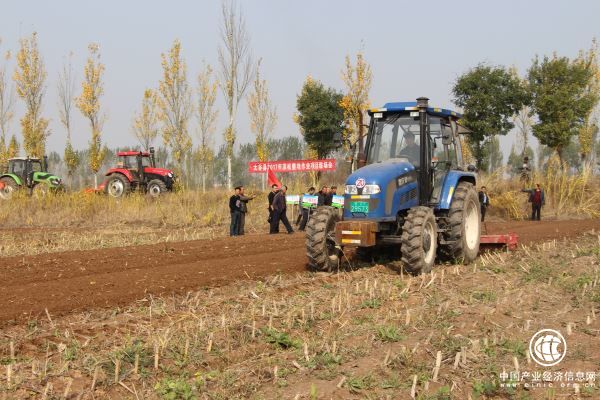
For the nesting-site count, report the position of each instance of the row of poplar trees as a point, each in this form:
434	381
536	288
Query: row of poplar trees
166	110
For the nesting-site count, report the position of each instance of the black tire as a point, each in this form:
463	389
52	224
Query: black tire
321	251
10	186
464	226
155	188
419	240
117	186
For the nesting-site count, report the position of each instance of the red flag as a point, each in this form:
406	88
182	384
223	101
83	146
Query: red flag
272	179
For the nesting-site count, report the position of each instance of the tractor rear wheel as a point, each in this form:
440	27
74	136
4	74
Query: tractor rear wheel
156	187
323	255
464	225
117	186
419	240
9	188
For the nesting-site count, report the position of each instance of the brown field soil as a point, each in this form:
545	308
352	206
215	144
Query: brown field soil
82	280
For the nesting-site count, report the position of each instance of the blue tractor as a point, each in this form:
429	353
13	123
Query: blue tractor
411	189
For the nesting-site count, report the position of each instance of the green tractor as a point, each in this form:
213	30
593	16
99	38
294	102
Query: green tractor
28	173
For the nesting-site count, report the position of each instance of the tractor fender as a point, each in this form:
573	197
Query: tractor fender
450	182
13	177
121	171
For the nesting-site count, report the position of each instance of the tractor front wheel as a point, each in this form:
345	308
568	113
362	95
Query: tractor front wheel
39	191
117	186
156	187
8	188
323	255
464	225
419	240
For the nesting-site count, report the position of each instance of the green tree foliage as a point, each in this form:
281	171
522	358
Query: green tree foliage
489	96
562	99
320	116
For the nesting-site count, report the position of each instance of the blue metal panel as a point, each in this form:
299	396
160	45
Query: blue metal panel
380	174
410	105
449	187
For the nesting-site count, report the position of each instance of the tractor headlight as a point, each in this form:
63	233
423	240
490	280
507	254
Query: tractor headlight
55	181
170	174
371	189
351	189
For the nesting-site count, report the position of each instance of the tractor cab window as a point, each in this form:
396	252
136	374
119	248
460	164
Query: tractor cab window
398	136
18	167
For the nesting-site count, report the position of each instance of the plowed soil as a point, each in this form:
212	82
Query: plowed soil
81	280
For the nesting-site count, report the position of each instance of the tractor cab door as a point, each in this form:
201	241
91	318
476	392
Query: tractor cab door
17	167
444	154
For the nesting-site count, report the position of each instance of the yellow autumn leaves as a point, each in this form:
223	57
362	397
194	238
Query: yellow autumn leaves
29	77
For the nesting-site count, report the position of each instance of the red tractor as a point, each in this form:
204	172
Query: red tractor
136	170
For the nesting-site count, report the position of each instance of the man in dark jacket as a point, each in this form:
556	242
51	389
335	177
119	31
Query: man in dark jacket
234	209
279	212
323	196
303	217
537	200
484	201
270	197
243	209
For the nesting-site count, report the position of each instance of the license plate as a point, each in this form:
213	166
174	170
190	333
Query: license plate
359	207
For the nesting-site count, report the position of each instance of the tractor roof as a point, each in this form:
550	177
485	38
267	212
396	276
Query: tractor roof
133	153
412	106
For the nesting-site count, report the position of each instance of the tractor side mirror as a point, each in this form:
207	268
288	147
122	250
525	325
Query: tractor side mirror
361	160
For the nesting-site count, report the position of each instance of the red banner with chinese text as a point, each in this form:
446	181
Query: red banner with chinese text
291	166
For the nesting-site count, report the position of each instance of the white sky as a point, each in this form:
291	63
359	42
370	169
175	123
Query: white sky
414	48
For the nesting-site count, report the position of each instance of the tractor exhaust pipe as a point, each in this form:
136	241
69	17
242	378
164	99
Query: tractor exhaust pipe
424	164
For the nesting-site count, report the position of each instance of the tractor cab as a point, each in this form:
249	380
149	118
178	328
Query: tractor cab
410	152
411	189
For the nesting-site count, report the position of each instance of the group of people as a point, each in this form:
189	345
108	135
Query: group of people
536	198
238	206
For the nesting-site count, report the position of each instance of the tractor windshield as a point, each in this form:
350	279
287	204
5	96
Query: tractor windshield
398	136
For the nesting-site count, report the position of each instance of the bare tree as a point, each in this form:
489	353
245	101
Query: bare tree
207	116
235	59
66	97
7	102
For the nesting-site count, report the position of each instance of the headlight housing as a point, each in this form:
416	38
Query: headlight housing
371	189
55	181
367	189
351	189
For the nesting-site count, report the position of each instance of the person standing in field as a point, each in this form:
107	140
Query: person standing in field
537	200
484	201
270	197
323	196
303	217
243	209
235	210
279	212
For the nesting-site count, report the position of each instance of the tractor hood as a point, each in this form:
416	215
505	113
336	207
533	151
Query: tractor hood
380	173
159	171
380	190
